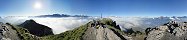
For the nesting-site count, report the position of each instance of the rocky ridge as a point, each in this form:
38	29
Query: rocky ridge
36	28
99	30
12	32
170	31
7	33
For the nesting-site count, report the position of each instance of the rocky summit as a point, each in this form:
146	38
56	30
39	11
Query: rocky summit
101	29
7	33
37	29
170	31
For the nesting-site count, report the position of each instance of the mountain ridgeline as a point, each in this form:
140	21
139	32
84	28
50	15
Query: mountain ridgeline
36	29
99	29
62	15
172	30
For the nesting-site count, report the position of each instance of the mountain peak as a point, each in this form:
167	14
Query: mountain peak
101	29
36	29
30	21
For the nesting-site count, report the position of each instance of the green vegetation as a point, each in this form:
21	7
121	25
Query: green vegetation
106	21
137	35
22	32
36	29
75	34
116	30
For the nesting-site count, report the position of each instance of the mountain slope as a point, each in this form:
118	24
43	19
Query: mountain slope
170	31
101	29
36	29
7	33
12	32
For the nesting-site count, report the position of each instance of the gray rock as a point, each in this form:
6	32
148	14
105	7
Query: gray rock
171	31
100	34
99	31
7	33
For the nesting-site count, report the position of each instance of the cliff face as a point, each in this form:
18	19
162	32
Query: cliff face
170	31
36	29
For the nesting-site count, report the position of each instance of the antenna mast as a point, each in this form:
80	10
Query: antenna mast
101	15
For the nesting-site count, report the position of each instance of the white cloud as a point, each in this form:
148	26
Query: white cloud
58	25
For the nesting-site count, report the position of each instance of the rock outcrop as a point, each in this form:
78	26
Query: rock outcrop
170	31
37	29
12	32
101	29
7	33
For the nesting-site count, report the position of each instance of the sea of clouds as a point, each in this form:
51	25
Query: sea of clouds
58	25
63	24
139	23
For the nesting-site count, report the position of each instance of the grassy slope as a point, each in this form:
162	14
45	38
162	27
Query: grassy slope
22	32
75	34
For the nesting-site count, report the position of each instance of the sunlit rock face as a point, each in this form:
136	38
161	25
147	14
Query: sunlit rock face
7	32
100	30
169	31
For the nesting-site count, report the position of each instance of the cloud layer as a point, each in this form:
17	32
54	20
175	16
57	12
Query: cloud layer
58	25
63	24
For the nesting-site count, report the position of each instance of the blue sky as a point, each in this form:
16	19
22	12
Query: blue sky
95	7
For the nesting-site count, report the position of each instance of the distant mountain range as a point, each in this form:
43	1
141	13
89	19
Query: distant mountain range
62	15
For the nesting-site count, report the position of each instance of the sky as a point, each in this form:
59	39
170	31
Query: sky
94	7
